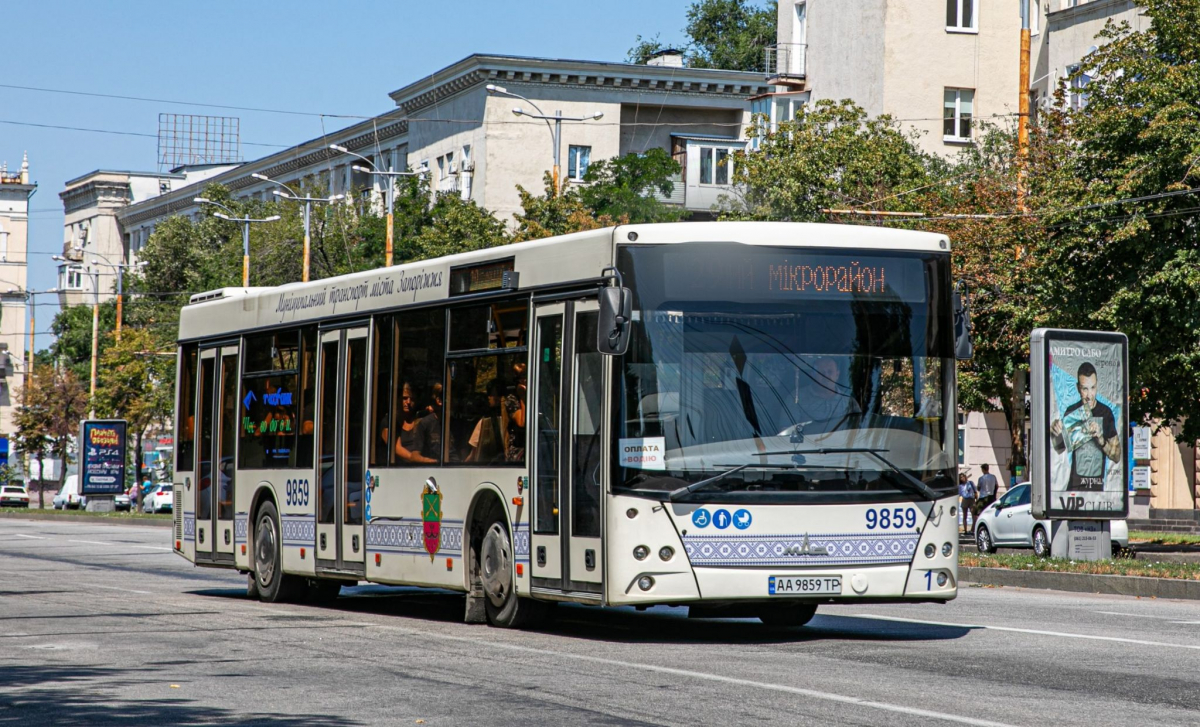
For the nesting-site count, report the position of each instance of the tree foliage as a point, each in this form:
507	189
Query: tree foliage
52	404
729	34
622	188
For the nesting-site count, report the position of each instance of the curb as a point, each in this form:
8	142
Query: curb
154	523
1140	586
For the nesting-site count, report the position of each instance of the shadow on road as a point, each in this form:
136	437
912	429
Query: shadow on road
667	625
80	695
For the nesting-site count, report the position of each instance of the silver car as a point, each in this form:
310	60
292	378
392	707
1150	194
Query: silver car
1009	523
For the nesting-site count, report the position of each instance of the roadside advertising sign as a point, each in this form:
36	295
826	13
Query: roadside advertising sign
102	457
1080	410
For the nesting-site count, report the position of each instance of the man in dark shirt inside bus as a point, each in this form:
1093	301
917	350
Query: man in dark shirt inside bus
1090	434
408	449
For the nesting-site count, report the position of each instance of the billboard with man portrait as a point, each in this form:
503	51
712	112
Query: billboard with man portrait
1080	411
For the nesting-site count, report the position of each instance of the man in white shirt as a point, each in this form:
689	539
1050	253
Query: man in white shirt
986	485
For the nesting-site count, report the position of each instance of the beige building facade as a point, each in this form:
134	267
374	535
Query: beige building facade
470	142
16	188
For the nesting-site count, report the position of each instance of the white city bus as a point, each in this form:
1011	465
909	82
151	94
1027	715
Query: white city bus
749	419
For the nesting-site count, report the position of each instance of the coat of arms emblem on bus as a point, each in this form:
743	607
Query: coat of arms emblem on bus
431	517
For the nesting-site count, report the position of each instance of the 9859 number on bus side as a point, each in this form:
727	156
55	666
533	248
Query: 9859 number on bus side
296	492
889	518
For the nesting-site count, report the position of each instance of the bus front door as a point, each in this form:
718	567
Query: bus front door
565	542
341	434
219	377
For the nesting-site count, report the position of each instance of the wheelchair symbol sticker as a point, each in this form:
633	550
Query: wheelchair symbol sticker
701	518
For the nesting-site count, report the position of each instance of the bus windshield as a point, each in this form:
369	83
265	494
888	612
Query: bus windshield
784	373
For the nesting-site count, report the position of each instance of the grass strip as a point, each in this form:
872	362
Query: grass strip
112	515
1142	536
1120	567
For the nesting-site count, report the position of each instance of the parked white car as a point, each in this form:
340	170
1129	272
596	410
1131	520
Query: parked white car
160	499
13	496
1009	523
68	497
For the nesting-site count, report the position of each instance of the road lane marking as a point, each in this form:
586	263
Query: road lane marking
1135	615
89	542
1036	632
114	588
31	537
799	691
151	547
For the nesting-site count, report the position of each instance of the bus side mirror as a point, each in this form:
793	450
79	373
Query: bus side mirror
963	350
612	333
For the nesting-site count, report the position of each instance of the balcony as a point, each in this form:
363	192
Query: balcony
785	62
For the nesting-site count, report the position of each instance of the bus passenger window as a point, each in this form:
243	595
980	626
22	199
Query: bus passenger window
185	425
487	409
417	417
306	411
381	392
268	402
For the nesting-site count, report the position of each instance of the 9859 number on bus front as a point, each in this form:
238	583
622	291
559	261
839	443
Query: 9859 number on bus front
889	518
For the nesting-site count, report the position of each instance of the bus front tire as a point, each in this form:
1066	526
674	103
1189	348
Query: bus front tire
504	608
272	584
782	615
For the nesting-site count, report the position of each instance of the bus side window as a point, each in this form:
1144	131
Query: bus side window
417	390
381	392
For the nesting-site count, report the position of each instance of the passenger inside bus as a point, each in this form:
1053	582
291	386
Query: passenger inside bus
408	443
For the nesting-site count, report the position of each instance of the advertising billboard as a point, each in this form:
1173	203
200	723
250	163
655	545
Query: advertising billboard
102	457
1080	411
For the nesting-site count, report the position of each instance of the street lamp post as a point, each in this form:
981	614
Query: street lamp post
246	221
390	176
308	203
555	127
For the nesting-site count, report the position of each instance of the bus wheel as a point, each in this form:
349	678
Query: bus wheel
272	584
504	608
796	614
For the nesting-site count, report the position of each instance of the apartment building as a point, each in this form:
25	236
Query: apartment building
16	188
466	137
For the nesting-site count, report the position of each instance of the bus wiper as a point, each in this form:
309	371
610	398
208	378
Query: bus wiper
906	480
689	489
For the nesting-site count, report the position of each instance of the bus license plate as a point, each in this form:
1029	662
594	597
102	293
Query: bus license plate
804	585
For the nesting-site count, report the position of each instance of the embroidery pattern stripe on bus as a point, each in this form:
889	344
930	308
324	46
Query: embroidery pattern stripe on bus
785	550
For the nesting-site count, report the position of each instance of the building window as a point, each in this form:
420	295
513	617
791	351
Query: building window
70	277
716	165
578	159
441	161
961	15
1077	80
956	118
3	246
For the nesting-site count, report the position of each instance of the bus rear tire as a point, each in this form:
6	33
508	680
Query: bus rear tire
272	584
791	614
504	608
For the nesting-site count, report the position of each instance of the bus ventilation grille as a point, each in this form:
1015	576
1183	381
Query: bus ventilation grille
177	508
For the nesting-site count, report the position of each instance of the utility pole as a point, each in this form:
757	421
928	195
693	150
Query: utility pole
1023	105
308	203
120	268
390	193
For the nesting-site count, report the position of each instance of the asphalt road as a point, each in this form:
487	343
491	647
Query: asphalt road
103	624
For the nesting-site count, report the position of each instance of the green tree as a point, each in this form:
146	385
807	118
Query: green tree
552	214
72	329
52	405
1122	252
136	384
457	225
730	34
622	188
831	156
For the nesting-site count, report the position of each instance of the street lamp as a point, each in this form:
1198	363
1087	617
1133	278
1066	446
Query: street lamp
555	128
246	221
390	176
308	203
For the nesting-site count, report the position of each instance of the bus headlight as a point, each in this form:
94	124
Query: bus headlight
947	549
930	550
641	552
942	578
645	583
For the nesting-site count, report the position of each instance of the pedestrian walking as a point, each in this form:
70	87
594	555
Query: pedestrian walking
967	494
986	488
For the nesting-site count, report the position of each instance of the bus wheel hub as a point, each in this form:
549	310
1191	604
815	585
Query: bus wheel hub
496	565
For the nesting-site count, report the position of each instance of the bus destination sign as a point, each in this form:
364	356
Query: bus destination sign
102	454
480	278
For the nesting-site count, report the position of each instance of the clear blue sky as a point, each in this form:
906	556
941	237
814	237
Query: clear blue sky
308	56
